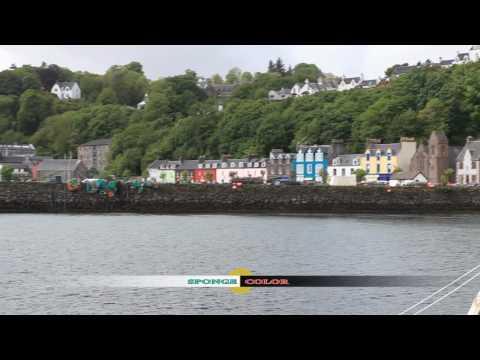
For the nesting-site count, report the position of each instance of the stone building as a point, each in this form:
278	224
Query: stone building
433	158
281	165
94	154
59	170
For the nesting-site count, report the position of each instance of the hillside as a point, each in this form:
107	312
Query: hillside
180	120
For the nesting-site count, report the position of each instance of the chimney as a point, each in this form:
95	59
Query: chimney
373	141
225	157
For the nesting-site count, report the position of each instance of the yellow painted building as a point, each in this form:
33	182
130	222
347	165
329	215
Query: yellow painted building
381	160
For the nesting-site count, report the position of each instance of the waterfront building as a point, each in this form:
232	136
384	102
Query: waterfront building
59	170
342	171
185	171
407	178
311	162
94	154
206	171
67	90
280	165
21	169
24	150
468	163
241	168
380	161
163	171
434	157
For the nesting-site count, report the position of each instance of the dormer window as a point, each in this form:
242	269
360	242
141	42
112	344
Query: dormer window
309	155
300	157
232	164
389	154
200	166
240	164
264	164
214	165
319	155
224	165
367	155
378	154
355	162
207	166
256	164
249	164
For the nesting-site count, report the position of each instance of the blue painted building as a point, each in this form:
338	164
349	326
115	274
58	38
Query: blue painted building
311	161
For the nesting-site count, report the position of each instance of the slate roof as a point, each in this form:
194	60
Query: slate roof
98	142
346	159
65	84
447	62
474	147
406	175
395	147
325	148
368	83
157	163
462	56
12	159
403	69
58	165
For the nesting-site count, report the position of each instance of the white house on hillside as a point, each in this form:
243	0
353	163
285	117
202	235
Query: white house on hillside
67	90
350	83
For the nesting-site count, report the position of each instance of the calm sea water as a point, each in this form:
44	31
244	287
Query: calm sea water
38	251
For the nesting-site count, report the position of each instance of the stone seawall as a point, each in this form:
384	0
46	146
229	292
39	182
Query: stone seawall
36	197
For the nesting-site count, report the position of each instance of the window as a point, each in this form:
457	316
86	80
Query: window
249	164
378	154
214	165
334	172
232	164
474	164
256	164
240	164
467	179
299	169
460	179
389	168
207	166
200	166
460	165
474	179
300	156
224	165
309	155
355	162
343	172
367	155
264	164
309	168
389	155
378	168
368	169
319	155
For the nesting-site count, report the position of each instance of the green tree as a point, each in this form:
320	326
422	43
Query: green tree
246	77
34	107
129	86
233	76
217	79
7	173
306	71
447	176
280	67
107	96
360	175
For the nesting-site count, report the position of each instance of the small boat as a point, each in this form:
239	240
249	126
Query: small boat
475	309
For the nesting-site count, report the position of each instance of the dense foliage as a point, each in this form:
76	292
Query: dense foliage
181	121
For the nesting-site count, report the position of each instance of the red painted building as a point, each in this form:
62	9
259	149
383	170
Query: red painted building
206	172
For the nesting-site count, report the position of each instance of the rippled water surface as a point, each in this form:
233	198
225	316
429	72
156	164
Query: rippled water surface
37	251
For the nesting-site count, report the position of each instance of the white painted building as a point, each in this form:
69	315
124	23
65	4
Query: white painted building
408	178
468	163
67	90
342	170
142	103
350	83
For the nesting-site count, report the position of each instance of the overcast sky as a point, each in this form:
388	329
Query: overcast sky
166	60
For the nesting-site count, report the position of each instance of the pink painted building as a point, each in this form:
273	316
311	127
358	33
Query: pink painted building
241	168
